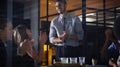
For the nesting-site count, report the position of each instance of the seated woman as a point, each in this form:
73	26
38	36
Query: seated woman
110	48
23	37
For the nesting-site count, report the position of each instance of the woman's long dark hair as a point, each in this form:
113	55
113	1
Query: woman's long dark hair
20	33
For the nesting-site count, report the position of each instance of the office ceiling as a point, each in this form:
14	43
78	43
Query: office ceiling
74	7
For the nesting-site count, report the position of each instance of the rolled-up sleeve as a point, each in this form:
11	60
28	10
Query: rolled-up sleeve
79	28
52	33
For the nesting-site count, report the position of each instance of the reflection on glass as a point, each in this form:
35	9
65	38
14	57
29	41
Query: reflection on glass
64	60
94	61
73	60
82	60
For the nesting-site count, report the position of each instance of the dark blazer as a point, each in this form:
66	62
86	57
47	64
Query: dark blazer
26	61
3	55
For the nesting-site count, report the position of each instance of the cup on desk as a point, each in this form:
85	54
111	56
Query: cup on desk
82	60
94	61
64	60
73	60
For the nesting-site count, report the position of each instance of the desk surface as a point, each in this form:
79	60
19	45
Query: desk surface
75	65
96	66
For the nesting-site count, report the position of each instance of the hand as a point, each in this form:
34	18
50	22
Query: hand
112	62
26	45
43	38
64	36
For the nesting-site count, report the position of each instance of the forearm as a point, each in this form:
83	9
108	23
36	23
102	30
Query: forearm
57	40
73	37
104	49
38	56
106	44
33	54
21	51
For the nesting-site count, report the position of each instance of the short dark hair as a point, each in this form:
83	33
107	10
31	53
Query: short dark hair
3	22
117	28
62	1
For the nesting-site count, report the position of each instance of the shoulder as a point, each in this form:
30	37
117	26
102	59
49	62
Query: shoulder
71	15
55	19
112	46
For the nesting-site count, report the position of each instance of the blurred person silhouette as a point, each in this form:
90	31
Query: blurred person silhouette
110	50
117	34
117	28
65	32
23	37
8	49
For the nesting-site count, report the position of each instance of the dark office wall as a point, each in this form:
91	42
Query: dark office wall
18	9
3	8
18	13
95	38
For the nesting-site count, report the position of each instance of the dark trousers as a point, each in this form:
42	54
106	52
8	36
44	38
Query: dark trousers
68	51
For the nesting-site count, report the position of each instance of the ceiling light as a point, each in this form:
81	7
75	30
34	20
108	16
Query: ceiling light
49	3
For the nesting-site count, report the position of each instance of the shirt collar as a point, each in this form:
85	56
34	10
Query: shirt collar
60	16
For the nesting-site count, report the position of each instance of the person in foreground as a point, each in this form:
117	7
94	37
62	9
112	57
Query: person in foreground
117	35
23	37
8	49
65	32
110	50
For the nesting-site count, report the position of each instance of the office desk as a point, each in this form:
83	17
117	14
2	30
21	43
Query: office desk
96	66
75	65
